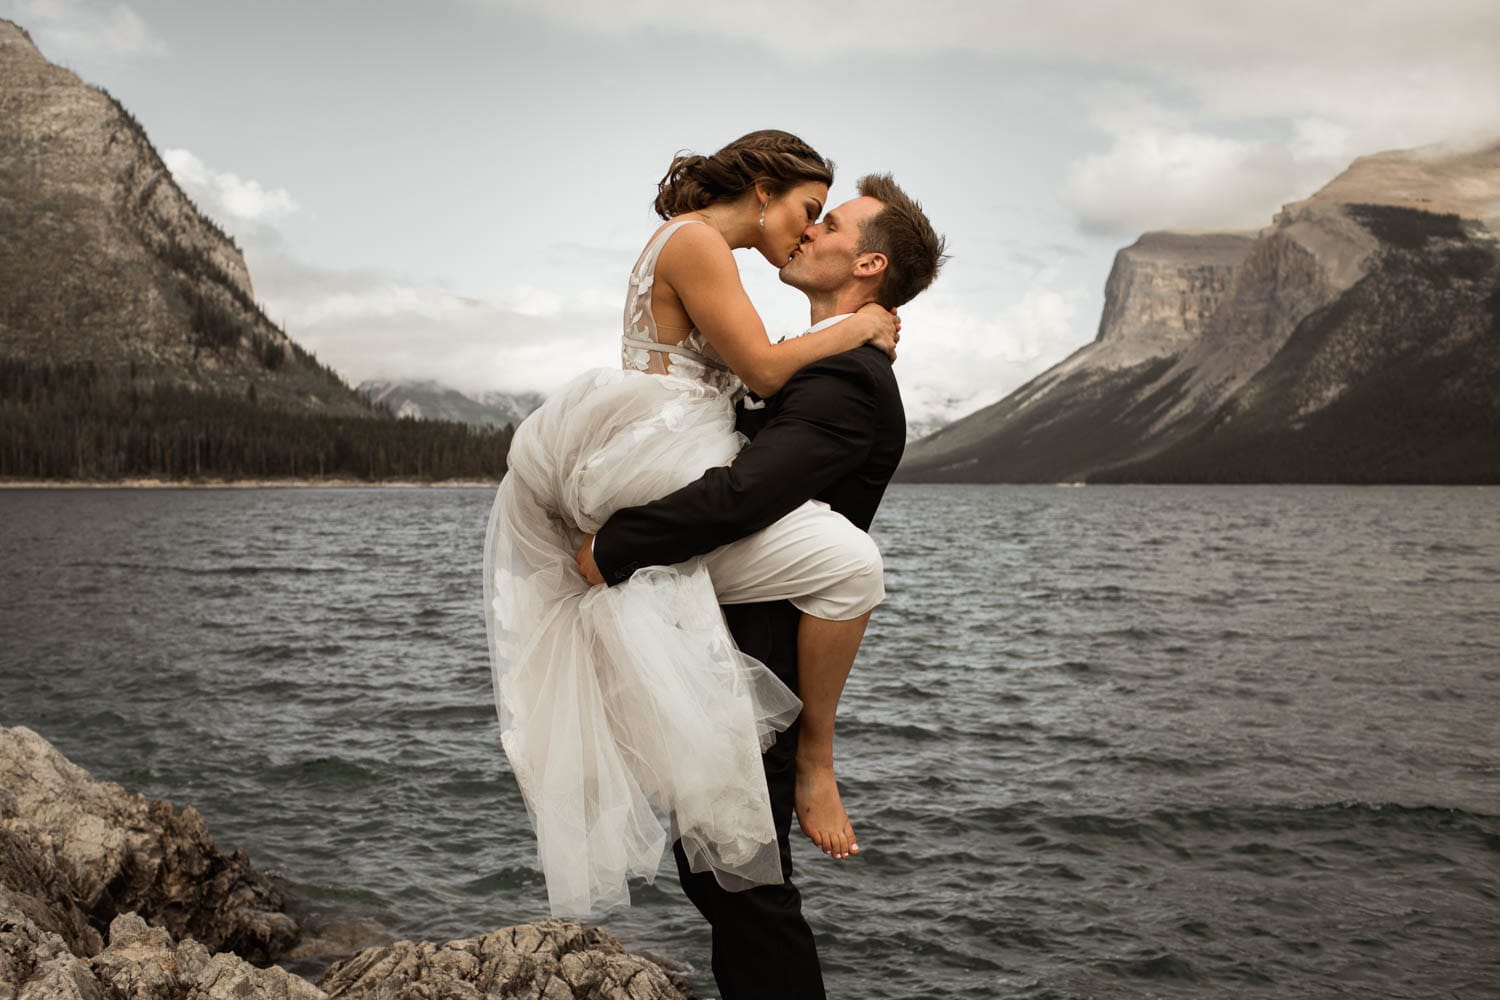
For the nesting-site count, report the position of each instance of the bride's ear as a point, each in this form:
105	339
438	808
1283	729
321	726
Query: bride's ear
870	265
763	191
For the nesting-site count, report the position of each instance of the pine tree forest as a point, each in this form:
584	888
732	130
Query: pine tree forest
82	422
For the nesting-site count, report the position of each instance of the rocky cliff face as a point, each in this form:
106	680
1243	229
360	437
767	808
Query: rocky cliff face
1161	292
105	260
1278	356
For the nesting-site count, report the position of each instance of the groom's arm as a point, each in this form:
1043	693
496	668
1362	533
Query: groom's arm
822	430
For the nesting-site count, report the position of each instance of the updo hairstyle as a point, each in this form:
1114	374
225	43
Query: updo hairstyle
780	158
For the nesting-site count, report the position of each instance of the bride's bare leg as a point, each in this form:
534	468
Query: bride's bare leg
825	654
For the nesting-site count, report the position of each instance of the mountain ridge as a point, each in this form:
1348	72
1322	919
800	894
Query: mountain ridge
109	263
432	400
1214	325
131	343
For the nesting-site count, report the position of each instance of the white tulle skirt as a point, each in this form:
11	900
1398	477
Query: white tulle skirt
628	715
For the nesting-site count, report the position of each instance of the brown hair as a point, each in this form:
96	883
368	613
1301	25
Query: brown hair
913	250
779	158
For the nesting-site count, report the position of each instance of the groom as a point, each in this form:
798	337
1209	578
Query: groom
835	433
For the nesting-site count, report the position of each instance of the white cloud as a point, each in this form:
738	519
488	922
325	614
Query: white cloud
81	29
224	195
531	301
1188	34
371	325
1267	101
1163	178
1321	139
953	360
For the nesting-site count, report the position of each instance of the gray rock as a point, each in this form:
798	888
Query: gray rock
31	886
76	853
547	960
142	963
76	843
36	963
327	941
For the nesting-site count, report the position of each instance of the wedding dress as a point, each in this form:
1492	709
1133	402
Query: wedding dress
627	711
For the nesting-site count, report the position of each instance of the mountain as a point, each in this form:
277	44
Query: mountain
105	261
131	344
1355	339
433	401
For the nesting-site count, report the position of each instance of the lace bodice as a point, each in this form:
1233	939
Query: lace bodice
641	346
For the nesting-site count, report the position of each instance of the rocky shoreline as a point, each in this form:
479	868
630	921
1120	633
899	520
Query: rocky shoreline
109	895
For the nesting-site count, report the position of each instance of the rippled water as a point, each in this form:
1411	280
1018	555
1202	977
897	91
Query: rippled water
1102	742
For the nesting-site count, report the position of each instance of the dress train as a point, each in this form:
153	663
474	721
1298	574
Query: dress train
629	716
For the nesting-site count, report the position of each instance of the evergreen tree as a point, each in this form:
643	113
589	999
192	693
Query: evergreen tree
82	422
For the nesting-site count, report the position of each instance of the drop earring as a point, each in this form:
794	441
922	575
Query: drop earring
763	215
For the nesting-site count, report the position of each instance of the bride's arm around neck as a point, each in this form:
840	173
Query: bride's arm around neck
698	266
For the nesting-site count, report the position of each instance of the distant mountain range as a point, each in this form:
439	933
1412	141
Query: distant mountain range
432	401
1355	339
435	401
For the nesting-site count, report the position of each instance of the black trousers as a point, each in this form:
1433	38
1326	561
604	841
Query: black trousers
763	948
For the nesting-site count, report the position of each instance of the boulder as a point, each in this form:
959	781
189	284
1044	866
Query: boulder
184	920
547	960
141	963
73	842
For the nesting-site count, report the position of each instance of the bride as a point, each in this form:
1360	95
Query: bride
620	705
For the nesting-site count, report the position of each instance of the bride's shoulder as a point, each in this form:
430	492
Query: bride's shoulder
694	248
692	235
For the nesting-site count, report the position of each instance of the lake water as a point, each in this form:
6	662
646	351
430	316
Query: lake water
1101	742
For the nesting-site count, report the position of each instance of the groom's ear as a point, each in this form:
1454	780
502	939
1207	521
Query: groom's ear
870	265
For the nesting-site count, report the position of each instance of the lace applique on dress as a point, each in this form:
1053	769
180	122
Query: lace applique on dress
641	348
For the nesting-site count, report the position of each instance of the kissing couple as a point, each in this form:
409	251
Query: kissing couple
677	570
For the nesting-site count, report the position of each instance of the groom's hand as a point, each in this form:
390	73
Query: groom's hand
586	564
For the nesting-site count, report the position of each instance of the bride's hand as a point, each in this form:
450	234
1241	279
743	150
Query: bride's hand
886	327
586	564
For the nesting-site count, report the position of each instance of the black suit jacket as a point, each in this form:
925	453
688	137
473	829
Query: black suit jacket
835	432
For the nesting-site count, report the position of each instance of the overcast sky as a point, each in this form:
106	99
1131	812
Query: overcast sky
456	189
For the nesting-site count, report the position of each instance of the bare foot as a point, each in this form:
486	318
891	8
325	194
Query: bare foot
820	811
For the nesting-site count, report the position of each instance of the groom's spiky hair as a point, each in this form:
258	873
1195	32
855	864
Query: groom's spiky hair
913	250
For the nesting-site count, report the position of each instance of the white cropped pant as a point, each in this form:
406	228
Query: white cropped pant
813	557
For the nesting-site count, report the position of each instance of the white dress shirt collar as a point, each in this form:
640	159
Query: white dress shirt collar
825	324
